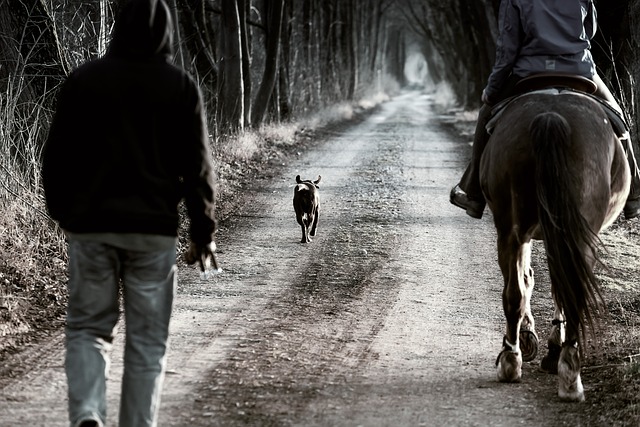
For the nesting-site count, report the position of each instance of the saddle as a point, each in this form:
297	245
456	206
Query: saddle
554	84
556	80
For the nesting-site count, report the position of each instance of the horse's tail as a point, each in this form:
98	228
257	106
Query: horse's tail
569	240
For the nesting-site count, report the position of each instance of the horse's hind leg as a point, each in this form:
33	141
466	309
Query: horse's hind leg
566	332
549	363
512	257
527	335
569	382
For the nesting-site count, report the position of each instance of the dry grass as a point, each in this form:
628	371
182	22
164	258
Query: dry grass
32	274
32	250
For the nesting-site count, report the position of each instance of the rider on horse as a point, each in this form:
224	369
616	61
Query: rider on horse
539	36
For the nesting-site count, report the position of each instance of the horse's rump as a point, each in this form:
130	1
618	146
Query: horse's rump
593	151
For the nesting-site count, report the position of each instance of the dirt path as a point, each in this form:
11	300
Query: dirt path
391	317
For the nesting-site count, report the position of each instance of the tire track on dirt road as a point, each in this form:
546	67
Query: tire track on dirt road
395	317
331	304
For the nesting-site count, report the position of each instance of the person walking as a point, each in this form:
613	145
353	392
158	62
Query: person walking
127	143
539	36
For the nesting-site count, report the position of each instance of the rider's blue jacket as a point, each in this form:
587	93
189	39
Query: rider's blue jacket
543	36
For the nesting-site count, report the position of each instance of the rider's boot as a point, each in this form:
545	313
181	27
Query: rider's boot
473	207
632	206
468	194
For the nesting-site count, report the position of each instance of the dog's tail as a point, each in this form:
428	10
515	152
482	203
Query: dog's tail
302	194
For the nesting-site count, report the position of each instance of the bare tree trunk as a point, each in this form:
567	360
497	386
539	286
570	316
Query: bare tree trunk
198	43
273	14
231	89
284	96
345	56
329	50
396	54
374	20
478	17
244	8
311	39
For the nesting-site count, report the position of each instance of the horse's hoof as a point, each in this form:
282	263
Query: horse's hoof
571	397
571	393
509	366
569	383
528	345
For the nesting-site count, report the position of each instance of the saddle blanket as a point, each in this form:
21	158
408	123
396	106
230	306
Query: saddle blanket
617	121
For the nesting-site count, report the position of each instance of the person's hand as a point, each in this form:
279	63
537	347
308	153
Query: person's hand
485	98
204	255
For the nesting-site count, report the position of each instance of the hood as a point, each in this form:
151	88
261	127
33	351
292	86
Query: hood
143	29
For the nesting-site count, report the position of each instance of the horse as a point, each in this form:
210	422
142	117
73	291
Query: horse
553	170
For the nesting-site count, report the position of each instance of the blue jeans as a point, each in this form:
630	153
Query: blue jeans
148	279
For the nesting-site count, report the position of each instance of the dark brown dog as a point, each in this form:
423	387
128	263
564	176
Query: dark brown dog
306	203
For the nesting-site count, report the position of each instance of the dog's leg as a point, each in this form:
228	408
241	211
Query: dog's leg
315	222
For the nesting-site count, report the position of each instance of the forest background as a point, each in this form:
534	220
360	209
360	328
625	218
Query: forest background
271	71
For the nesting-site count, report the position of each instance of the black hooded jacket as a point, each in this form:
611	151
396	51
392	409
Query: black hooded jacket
129	138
